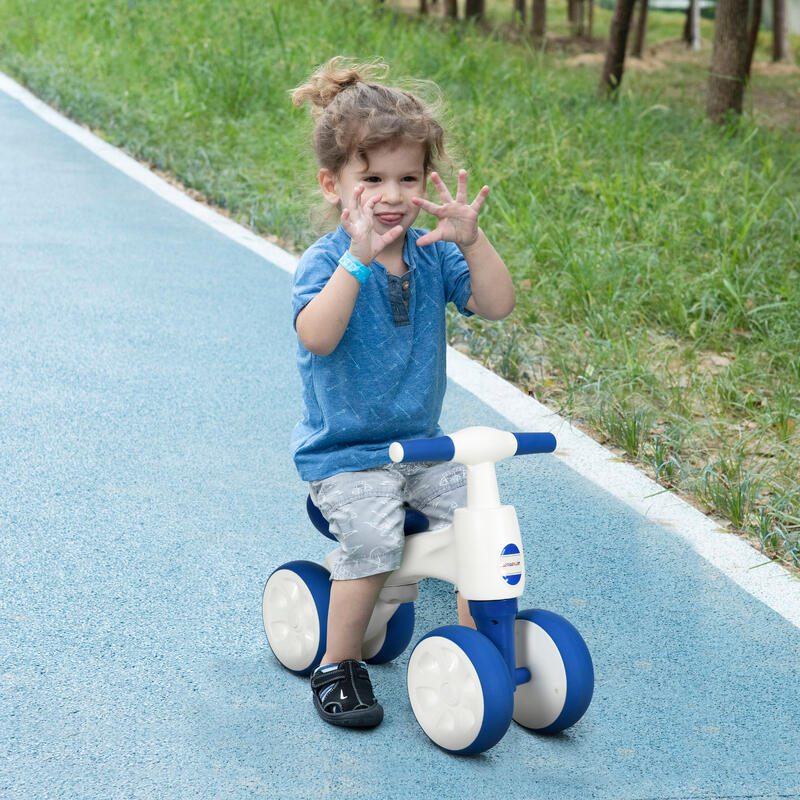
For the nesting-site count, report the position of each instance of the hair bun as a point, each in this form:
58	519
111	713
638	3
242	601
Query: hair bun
334	77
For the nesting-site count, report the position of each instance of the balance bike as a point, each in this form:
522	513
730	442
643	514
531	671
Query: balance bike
465	685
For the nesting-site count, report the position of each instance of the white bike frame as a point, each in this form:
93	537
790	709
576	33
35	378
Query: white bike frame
480	552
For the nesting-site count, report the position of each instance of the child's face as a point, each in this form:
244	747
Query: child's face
395	172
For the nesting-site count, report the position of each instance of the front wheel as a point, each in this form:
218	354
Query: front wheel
460	689
294	609
562	675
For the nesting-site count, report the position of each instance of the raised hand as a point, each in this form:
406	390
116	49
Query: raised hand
359	222
458	220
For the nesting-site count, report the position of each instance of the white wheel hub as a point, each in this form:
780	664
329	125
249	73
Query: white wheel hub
539	702
445	693
290	619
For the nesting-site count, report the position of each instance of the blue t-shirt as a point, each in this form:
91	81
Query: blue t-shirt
386	378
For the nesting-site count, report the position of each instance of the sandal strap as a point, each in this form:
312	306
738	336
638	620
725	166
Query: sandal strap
353	682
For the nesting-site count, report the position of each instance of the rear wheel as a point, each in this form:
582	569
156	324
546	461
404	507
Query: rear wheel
294	609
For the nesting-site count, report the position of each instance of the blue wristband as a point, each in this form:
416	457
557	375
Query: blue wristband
355	267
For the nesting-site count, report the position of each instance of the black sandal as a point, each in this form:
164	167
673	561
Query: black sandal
343	695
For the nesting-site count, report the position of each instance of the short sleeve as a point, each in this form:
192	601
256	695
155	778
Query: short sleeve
311	276
455	272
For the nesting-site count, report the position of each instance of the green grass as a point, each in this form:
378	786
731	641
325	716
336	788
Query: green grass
655	254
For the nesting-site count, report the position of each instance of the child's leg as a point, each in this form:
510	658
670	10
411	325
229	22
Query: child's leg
464	617
365	512
350	608
341	688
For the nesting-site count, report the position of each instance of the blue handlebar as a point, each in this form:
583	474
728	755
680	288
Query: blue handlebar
440	448
528	443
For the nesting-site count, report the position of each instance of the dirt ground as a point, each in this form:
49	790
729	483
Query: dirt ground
659	55
773	95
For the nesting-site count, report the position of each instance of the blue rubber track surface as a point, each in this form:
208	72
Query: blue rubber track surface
147	393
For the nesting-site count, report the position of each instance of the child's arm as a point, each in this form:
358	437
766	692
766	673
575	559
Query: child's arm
493	294
321	324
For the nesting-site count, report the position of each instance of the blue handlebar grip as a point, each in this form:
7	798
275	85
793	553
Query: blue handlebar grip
440	448
528	443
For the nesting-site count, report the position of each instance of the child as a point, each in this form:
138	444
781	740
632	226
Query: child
369	311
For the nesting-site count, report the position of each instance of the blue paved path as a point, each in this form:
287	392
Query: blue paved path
147	391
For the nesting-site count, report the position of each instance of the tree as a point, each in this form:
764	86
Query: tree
475	10
641	30
728	74
575	16
755	24
780	32
691	28
539	14
451	8
519	10
615	51
580	16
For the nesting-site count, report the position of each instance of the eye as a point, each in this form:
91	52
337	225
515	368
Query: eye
371	179
411	179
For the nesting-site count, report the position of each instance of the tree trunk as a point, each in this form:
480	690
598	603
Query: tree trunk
423	6
691	28
451	8
695	9
615	50
580	15
474	10
780	32
755	24
575	14
728	59
539	14
687	25
641	30
590	32
519	10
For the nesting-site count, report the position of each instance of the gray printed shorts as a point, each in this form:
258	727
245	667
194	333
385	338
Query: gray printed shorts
366	511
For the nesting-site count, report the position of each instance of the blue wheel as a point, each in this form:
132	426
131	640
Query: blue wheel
393	639
562	675
294	608
460	689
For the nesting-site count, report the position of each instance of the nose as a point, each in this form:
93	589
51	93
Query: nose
390	193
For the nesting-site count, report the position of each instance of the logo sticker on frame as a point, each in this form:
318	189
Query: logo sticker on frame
511	564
